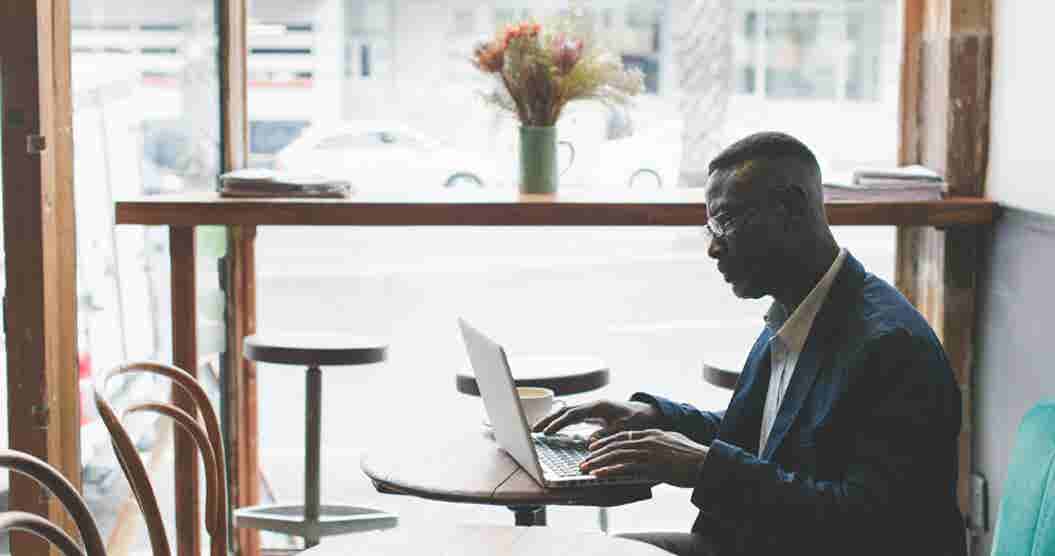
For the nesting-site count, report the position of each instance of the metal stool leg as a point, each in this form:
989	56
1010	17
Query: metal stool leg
312	520
313	431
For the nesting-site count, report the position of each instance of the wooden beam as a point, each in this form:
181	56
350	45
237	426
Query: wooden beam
233	88
240	386
945	125
908	129
683	209
39	236
183	257
239	398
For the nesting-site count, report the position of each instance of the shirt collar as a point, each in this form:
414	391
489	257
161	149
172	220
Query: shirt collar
792	330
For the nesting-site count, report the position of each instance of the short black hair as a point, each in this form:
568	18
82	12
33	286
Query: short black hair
765	145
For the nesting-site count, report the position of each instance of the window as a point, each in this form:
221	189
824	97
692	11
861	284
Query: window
647	301
813	50
146	121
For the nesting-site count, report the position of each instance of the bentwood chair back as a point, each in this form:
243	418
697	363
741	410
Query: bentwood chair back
33	523
61	488
203	427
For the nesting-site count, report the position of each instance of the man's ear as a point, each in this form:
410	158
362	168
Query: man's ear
793	201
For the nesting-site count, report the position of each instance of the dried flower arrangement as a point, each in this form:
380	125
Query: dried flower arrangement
540	72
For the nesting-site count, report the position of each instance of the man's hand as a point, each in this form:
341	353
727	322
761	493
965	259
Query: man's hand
667	457
616	417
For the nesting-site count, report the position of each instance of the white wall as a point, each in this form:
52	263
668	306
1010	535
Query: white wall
1021	153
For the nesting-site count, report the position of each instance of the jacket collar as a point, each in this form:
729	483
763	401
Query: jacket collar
826	328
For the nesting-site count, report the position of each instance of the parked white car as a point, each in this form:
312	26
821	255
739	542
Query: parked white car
384	156
647	159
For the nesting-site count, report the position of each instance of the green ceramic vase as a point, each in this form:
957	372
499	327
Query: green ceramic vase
538	159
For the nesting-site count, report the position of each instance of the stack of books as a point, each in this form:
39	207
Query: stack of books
905	183
258	182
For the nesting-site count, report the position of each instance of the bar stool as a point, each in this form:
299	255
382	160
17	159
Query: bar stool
720	377
565	375
313	520
721	367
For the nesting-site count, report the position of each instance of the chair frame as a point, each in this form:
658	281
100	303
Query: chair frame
53	481
33	523
203	427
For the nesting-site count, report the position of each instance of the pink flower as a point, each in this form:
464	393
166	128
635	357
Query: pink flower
525	29
489	57
566	53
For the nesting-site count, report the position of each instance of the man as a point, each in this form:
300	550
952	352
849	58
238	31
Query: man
841	437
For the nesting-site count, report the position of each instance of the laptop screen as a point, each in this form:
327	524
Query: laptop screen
498	391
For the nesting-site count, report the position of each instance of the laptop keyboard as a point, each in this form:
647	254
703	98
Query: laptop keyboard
561	456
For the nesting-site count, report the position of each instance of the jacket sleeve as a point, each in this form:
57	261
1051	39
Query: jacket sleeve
903	408
700	426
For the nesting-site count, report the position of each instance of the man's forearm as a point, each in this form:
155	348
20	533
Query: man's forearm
700	426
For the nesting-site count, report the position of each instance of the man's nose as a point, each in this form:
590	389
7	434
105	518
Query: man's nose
715	247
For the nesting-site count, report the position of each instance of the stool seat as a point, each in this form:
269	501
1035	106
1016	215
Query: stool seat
315	349
563	375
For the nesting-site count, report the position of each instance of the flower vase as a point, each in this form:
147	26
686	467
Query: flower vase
538	159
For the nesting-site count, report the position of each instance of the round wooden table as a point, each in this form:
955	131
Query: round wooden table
482	540
468	466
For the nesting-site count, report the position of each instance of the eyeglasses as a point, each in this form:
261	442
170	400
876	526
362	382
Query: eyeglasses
719	230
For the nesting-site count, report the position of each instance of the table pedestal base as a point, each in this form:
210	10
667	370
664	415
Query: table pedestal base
528	516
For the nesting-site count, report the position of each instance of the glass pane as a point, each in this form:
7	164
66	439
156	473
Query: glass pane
146	122
329	80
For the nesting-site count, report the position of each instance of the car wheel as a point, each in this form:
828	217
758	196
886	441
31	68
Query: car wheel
641	171
462	179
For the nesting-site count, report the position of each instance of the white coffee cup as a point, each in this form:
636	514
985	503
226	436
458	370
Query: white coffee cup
536	402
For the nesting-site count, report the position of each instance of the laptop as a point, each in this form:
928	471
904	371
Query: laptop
553	461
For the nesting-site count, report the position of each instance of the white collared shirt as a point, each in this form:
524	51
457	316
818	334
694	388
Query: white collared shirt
788	342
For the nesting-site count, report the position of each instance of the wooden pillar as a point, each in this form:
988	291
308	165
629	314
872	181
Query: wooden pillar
240	407
41	298
183	256
240	386
945	125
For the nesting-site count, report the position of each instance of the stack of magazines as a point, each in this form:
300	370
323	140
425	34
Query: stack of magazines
905	183
258	182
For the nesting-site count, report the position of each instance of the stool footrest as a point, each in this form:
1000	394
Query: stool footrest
333	519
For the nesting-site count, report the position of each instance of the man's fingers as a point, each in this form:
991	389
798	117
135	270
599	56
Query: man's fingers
612	458
545	421
606	431
621	469
635	444
561	419
622	436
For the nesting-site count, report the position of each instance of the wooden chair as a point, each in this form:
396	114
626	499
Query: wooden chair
204	429
33	523
61	488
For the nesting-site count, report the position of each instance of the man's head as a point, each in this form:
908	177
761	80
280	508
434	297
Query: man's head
764	200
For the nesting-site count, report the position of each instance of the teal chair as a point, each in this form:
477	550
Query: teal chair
1025	525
